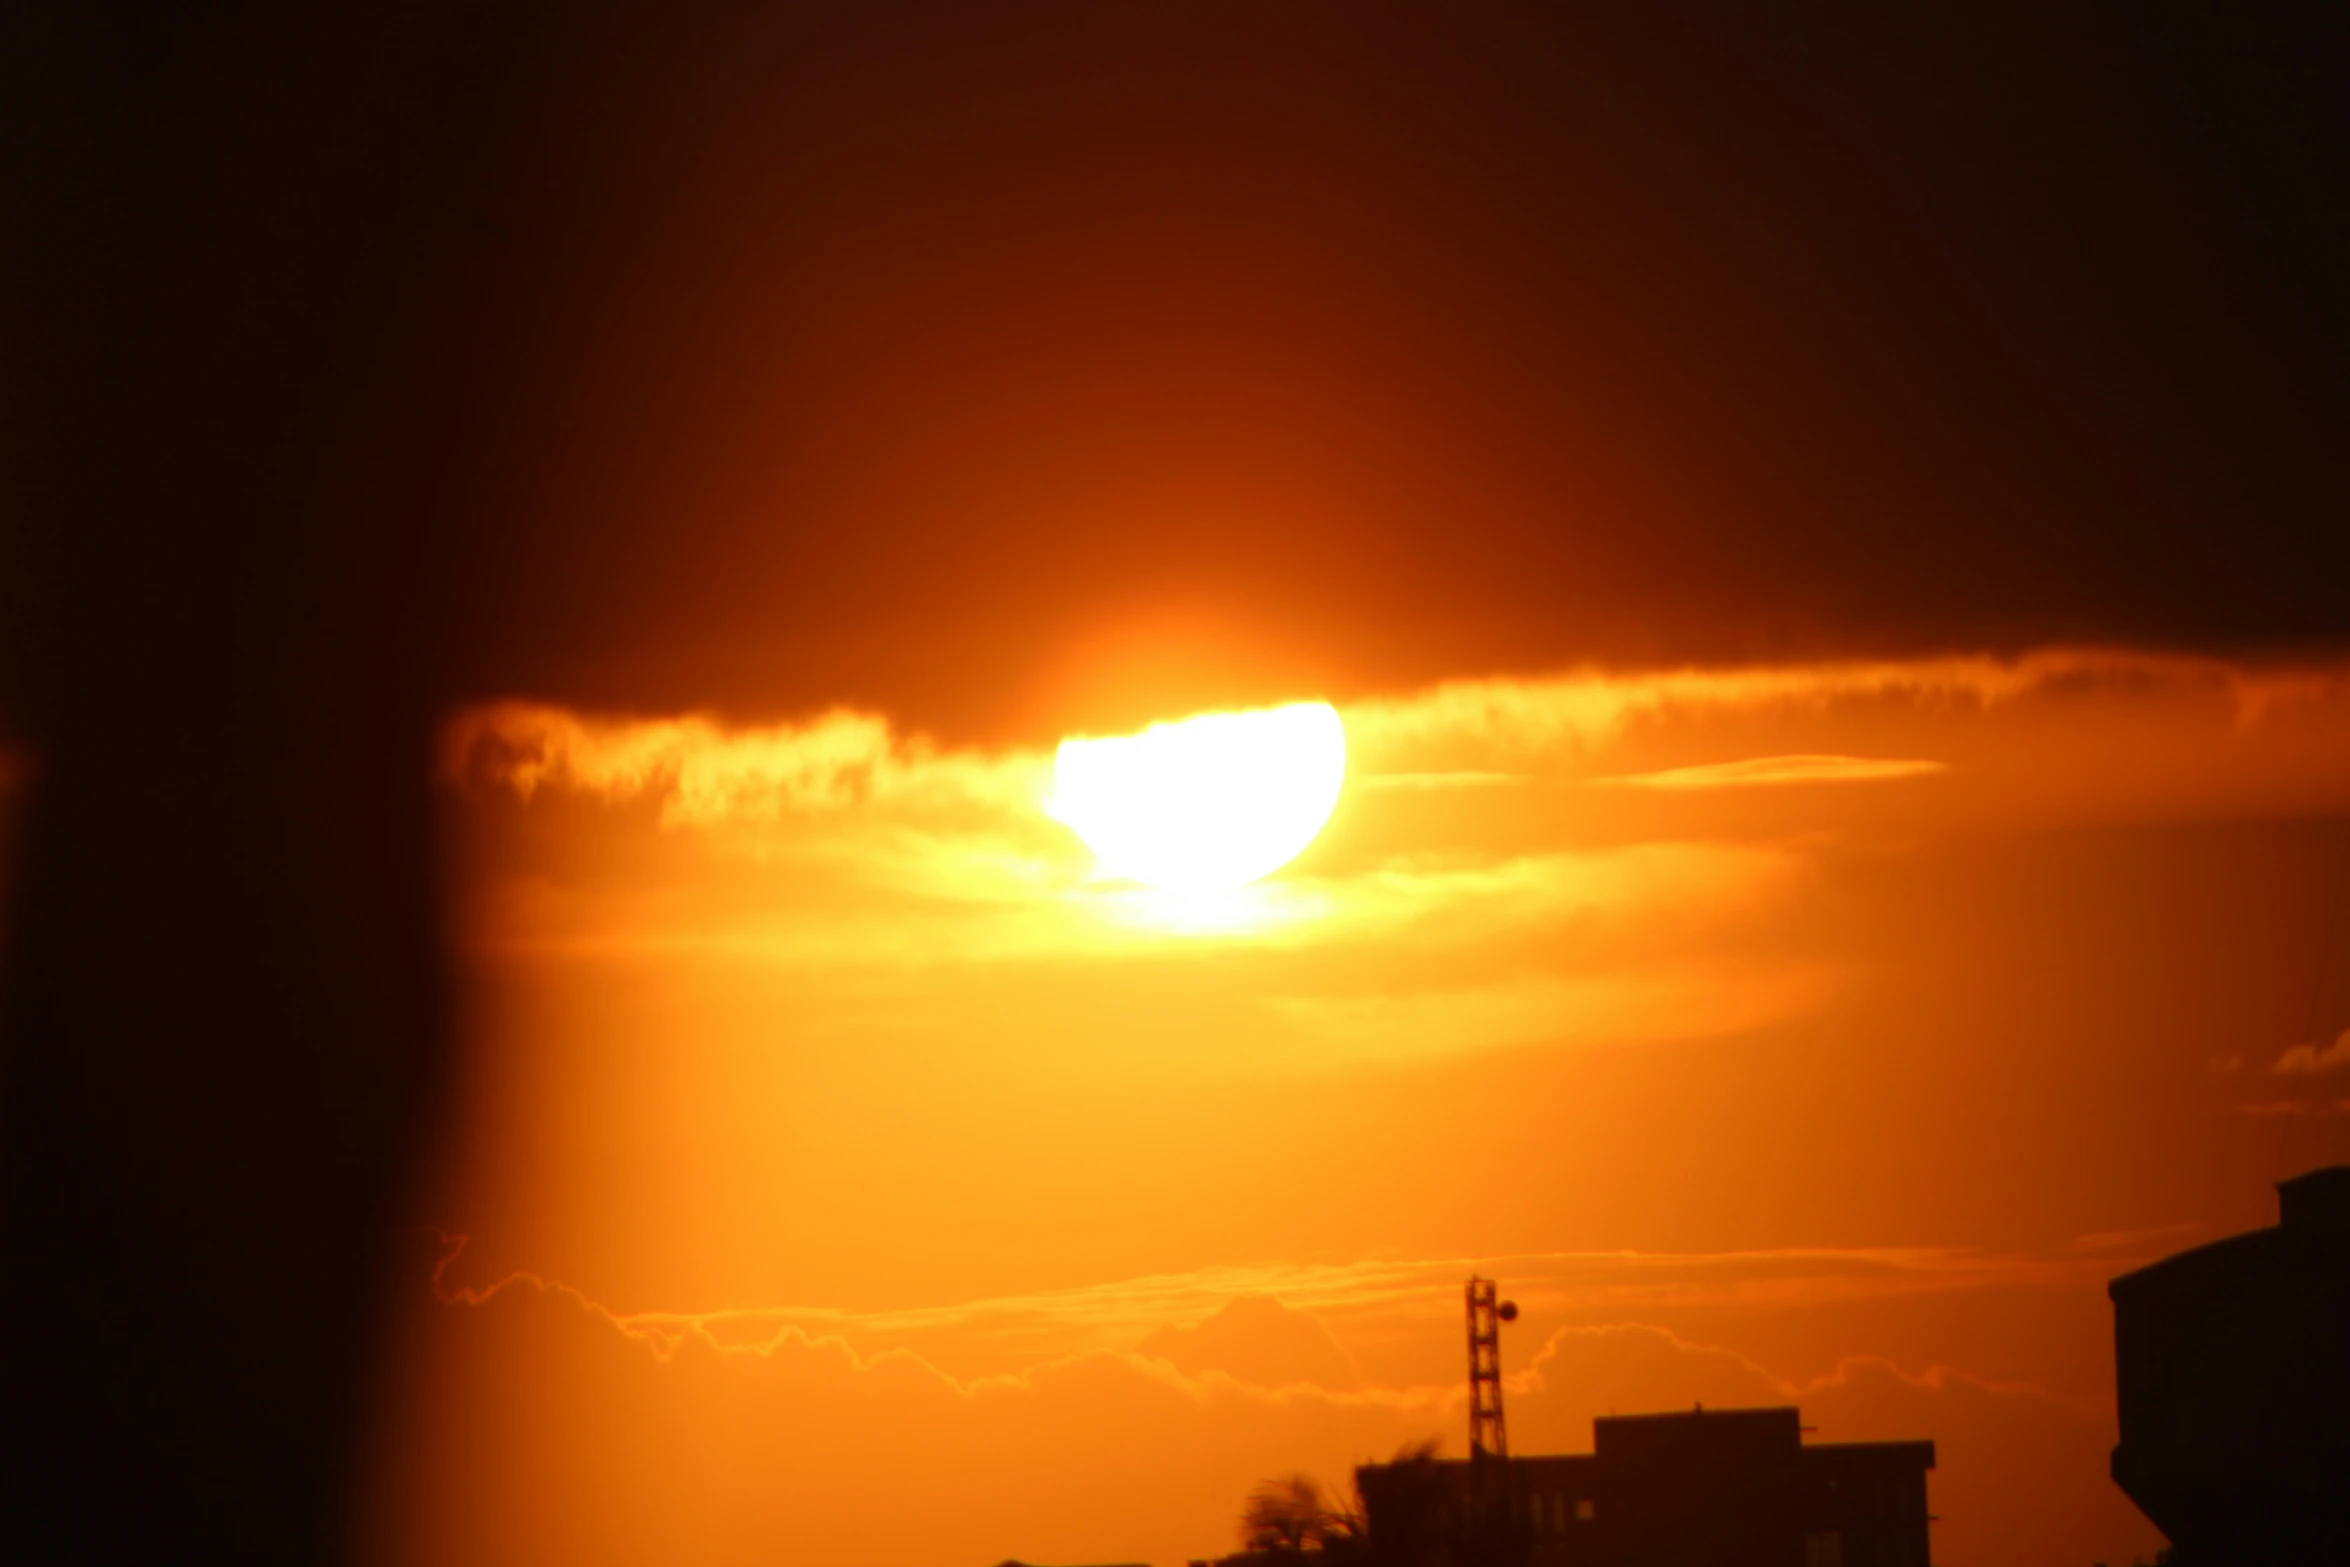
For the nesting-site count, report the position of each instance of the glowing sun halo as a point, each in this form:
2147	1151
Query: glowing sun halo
1213	801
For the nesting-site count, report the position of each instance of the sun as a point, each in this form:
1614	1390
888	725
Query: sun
1216	800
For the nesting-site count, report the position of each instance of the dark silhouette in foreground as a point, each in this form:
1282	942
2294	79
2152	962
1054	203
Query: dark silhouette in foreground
1733	1485
2233	1373
1672	1490
1288	1521
249	269
1287	1518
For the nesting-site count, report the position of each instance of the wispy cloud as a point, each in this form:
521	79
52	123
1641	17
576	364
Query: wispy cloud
1575	712
1676	1002
1428	782
2309	1060
706	774
1764	770
2143	1242
1361	1300
1577	1357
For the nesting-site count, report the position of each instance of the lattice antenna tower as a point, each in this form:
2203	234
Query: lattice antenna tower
1488	1434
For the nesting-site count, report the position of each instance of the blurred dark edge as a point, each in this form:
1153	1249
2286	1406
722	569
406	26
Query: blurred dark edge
252	257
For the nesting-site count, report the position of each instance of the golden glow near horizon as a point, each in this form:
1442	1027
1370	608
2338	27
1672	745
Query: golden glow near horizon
1213	801
947	1153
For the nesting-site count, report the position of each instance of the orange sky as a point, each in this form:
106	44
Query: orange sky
846	1173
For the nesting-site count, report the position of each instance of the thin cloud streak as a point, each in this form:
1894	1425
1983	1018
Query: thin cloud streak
1356	1296
1010	910
1607	1337
1757	771
1572	713
1679	1002
1430	782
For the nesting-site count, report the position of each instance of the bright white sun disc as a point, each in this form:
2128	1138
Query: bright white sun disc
1214	801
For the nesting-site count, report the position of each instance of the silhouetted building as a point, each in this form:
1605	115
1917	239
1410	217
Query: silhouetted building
1694	1489
2233	1369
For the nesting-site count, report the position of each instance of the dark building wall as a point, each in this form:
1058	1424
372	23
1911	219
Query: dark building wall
1694	1489
1698	1487
2232	1368
1869	1498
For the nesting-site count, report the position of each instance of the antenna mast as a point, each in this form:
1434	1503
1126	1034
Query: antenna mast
1488	1437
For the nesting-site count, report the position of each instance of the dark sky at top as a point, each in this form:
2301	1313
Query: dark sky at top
1010	367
